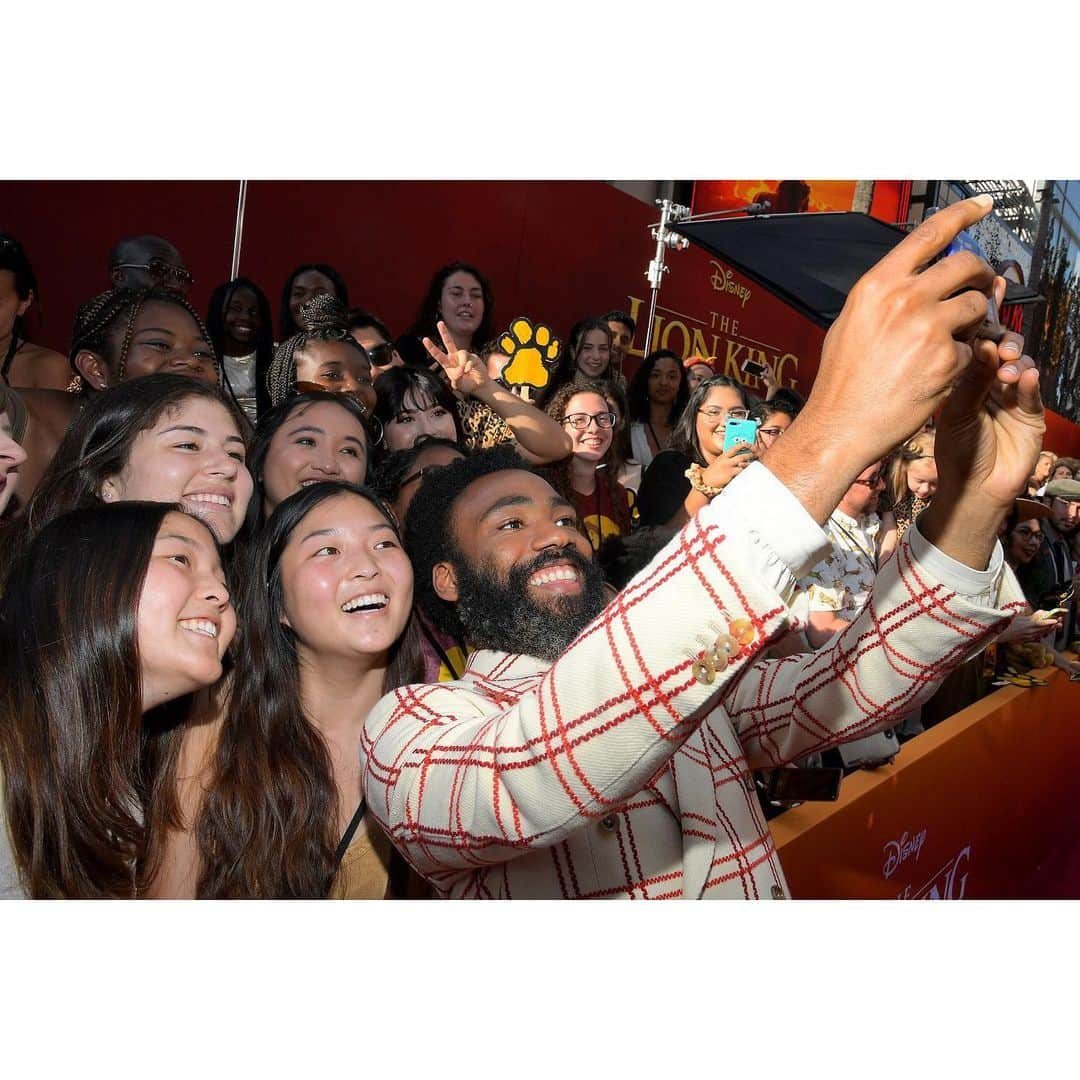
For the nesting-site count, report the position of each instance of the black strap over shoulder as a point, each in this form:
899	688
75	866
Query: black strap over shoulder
349	833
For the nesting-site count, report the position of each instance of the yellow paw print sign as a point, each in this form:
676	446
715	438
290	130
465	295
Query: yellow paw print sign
533	351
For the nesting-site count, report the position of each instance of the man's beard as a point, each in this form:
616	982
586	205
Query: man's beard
502	615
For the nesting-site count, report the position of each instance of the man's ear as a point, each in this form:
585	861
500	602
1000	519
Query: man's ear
92	368
444	581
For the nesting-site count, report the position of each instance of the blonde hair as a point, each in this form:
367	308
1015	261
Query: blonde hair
917	447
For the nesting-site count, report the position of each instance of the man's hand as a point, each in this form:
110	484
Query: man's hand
890	359
989	436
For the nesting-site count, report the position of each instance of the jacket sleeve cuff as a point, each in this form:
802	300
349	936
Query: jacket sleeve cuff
981	586
770	515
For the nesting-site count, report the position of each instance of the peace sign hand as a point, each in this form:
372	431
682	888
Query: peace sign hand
465	370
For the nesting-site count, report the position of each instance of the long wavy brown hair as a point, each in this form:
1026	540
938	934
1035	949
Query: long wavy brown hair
79	759
267	828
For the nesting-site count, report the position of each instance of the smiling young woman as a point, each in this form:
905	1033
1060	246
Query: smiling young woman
238	321
587	477
164	438
311	437
270	788
112	613
124	334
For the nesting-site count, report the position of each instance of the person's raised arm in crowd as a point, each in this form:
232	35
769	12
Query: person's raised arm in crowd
569	709
540	439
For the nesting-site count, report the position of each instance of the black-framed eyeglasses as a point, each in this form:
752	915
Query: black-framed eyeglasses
160	269
771	432
715	412
579	421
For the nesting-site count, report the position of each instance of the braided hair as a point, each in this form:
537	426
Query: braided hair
15	259
97	319
264	340
289	326
327	320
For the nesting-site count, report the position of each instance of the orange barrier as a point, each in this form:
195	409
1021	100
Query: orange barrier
979	806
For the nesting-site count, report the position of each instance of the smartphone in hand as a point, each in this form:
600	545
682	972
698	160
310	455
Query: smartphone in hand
740	431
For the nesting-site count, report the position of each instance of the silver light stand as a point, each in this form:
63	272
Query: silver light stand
670	214
238	235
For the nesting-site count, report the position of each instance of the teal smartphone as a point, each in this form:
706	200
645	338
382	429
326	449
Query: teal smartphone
740	431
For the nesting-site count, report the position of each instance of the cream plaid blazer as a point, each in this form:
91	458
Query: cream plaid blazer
623	769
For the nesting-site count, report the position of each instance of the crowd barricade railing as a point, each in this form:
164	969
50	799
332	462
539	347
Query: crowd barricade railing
983	805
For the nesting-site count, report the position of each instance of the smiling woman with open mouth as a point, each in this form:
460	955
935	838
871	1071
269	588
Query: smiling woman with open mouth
270	795
112	613
162	438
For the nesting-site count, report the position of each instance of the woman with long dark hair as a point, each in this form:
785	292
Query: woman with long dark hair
164	438
477	410
22	363
658	394
305	283
113	612
242	334
586	357
270	790
13	420
696	468
308	438
460	296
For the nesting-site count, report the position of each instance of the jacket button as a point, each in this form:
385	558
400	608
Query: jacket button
609	824
777	892
748	782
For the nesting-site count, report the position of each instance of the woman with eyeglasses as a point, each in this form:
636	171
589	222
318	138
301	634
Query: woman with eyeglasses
308	438
774	418
696	468
587	477
323	357
22	363
658	394
240	328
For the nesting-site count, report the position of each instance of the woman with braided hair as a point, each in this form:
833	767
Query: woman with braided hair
127	333
22	363
241	332
323	357
305	283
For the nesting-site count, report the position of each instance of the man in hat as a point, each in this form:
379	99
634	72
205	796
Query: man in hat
1048	578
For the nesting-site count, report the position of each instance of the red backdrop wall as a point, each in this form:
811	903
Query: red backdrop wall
555	251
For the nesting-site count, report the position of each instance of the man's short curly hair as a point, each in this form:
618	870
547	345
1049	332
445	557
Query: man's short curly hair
429	537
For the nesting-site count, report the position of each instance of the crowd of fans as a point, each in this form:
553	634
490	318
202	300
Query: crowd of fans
187	665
